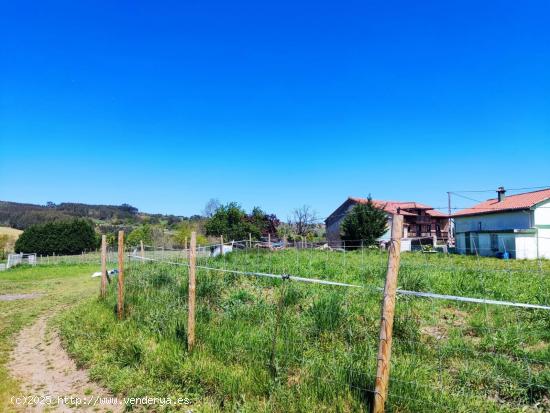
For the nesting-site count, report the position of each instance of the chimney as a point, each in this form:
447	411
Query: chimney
501	193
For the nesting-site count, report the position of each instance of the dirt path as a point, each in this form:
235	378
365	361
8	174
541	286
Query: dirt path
44	369
13	297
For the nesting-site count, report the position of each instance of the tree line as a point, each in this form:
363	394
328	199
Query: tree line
21	216
72	236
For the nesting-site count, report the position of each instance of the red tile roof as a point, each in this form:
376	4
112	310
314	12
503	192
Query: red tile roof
391	206
511	202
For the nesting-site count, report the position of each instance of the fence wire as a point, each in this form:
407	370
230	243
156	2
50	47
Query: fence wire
296	328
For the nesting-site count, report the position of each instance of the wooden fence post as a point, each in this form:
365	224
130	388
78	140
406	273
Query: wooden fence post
120	302
191	303
269	240
388	311
142	251
103	265
221	245
249	240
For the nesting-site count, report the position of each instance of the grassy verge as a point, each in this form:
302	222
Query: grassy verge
59	285
268	346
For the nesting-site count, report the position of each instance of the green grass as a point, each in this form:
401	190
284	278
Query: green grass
60	285
268	346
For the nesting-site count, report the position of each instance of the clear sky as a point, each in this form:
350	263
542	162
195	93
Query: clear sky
164	105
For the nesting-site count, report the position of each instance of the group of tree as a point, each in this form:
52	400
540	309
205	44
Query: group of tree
58	237
234	223
362	226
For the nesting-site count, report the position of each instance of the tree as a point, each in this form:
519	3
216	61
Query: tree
365	222
141	233
65	237
183	233
264	223
303	220
211	207
232	222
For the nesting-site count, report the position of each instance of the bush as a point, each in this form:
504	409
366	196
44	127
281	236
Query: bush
62	238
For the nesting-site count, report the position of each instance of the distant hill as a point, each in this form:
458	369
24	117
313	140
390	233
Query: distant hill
21	216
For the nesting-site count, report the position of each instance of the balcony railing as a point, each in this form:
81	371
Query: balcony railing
422	219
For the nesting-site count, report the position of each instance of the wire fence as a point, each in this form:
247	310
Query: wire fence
297	325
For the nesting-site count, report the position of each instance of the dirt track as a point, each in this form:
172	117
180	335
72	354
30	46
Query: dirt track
44	369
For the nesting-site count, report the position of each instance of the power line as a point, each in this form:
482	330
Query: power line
507	189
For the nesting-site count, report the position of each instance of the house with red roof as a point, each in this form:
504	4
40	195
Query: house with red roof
516	225
422	224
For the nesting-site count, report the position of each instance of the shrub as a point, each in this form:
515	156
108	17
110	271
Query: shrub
63	238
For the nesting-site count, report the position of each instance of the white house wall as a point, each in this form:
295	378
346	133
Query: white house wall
526	246
544	242
542	213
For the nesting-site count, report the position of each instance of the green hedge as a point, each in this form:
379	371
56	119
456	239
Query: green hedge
62	238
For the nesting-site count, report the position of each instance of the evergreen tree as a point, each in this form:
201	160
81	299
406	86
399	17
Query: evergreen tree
365	222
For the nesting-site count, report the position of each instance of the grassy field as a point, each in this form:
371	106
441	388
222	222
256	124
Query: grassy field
59	286
267	345
12	234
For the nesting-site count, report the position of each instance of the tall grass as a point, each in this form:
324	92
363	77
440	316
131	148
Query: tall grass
270	345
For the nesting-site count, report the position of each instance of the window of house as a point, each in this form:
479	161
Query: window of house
494	242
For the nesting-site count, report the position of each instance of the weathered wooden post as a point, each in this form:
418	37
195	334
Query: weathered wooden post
388	311
249	240
191	303
120	302
142	251
221	245
103	265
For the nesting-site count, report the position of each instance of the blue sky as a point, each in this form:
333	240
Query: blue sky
164	105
